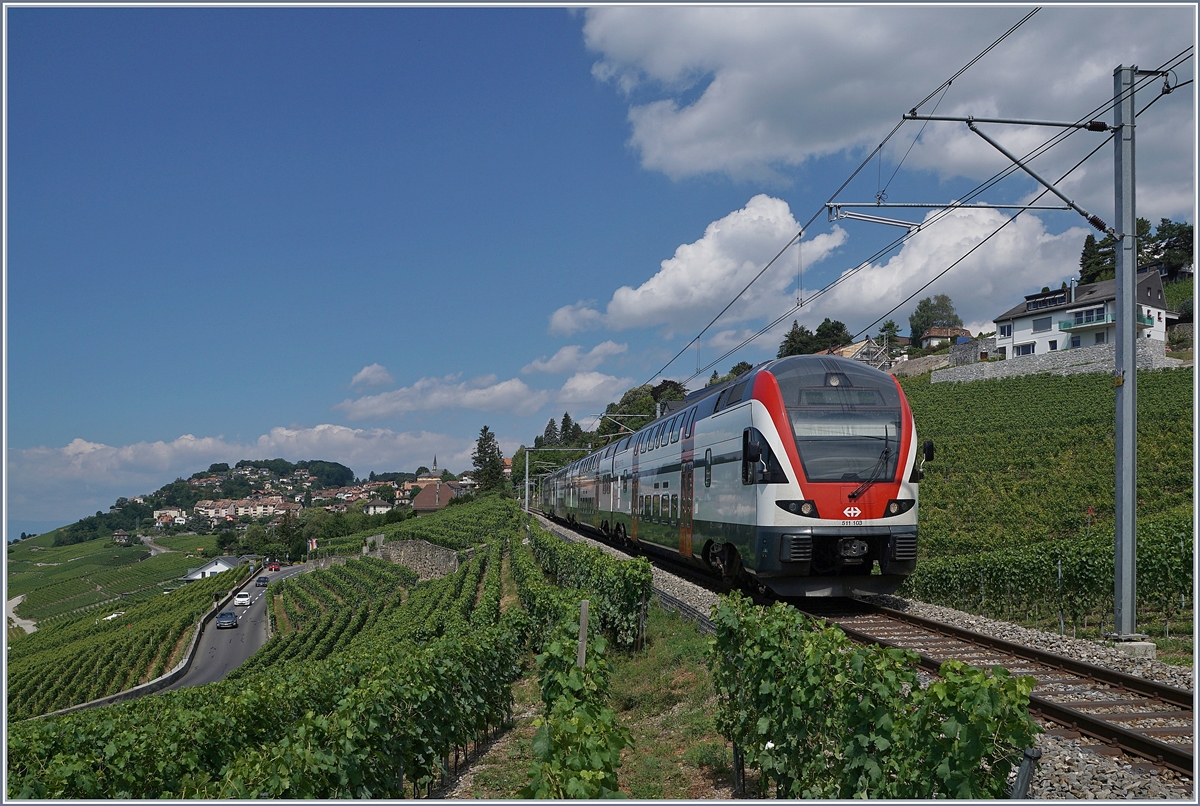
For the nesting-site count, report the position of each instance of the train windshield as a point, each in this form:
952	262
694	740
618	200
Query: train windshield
845	417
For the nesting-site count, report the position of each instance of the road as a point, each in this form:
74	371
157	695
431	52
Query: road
24	623
219	652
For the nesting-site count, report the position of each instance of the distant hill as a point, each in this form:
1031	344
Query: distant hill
219	481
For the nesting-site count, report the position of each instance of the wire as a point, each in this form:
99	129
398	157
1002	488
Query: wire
967	66
1037	151
1089	155
865	162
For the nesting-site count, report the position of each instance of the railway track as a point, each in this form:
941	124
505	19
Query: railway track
1128	714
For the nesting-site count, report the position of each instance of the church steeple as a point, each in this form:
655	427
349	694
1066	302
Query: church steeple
434	471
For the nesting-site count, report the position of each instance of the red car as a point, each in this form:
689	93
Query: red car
273	567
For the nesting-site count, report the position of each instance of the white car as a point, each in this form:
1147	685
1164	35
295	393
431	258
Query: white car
242	598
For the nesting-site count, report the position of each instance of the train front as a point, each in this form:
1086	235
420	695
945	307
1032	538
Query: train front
846	520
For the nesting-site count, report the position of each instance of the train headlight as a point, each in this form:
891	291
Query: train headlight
805	509
898	506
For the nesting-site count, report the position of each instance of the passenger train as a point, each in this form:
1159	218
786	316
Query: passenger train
799	476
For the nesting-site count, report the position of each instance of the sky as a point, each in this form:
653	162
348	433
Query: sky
363	234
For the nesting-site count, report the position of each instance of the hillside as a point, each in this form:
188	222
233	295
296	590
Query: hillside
1021	460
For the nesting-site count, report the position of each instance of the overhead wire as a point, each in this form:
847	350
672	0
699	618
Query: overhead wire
1037	151
843	186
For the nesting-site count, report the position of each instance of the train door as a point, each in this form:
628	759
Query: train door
635	501
686	485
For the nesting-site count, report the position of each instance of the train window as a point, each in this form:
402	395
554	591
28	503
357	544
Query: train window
677	426
691	422
674	507
625	484
735	395
708	468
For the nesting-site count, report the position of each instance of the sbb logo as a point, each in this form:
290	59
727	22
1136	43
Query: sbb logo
851	512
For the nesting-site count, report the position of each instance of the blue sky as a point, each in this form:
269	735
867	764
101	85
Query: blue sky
363	234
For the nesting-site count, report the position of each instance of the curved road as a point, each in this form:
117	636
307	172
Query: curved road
24	623
219	652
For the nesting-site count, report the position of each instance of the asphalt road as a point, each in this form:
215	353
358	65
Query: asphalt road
219	652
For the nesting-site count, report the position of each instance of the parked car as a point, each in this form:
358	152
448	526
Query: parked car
241	599
226	618
262	582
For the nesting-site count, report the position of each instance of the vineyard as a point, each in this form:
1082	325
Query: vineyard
1021	460
428	666
86	658
1073	578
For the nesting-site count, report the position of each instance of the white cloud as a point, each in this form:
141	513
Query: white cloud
593	388
98	474
751	92
428	394
572	358
1021	259
372	375
574	318
701	278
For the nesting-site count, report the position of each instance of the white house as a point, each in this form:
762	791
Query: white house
217	565
1078	316
377	506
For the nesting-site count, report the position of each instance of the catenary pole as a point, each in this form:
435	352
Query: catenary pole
1125	370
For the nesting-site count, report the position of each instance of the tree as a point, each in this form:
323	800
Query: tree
386	493
740	368
422	470
935	311
488	461
565	429
550	434
888	332
798	341
713	379
448	476
1098	260
831	333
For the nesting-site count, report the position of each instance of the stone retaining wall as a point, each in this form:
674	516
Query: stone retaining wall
962	355
1151	354
427	560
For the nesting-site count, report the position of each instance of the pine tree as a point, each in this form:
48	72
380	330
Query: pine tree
566	430
550	434
488	461
798	341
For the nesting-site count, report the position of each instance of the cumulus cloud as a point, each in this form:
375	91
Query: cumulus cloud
427	394
372	375
98	474
1021	259
753	92
593	388
572	358
701	278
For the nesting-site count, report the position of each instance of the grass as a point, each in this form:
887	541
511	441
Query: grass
663	695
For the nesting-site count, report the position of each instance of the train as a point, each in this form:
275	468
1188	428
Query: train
799	476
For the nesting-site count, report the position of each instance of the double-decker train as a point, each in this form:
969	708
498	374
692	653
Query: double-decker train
799	476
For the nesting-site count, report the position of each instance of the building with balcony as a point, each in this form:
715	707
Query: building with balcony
1079	316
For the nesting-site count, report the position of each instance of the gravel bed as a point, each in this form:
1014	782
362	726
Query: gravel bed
1068	769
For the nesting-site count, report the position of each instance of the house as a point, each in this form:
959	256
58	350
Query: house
121	537
1078	316
936	336
377	506
507	467
435	496
217	565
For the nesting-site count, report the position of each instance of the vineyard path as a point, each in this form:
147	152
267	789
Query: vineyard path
24	623
155	549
